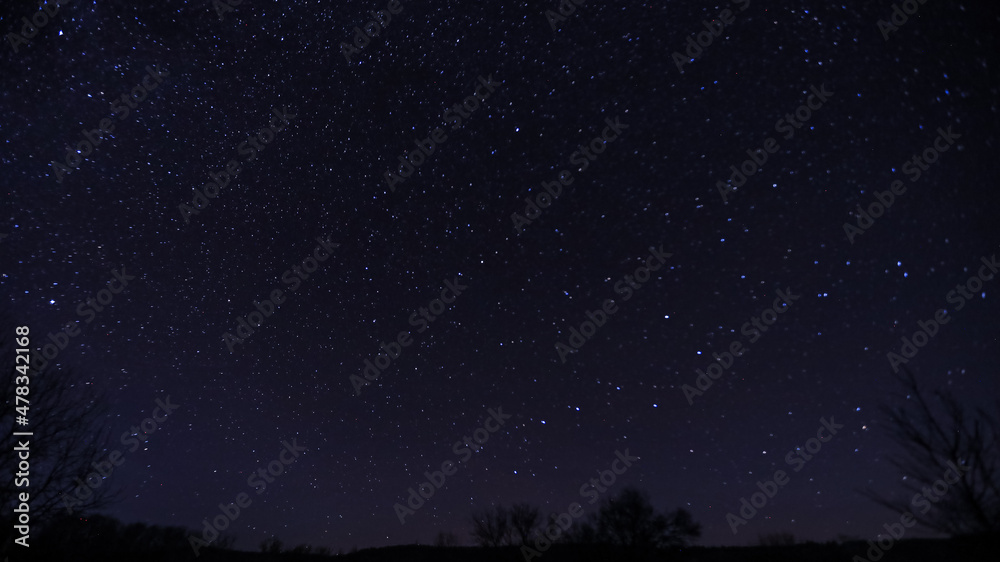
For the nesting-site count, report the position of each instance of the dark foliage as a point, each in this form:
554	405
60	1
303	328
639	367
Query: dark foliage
629	520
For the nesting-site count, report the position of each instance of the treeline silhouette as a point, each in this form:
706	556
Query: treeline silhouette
101	537
627	521
622	529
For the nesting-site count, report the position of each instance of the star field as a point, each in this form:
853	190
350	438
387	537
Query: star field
654	186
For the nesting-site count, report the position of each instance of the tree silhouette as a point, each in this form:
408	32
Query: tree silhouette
65	417
445	538
940	437
582	532
682	529
80	537
524	518
630	520
552	531
491	527
272	545
627	521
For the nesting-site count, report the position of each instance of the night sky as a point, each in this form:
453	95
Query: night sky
659	192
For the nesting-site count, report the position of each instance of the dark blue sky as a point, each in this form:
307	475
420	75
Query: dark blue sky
654	186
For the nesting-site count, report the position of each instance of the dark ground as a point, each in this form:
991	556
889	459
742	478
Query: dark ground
918	550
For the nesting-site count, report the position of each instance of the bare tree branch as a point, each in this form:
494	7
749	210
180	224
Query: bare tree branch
940	438
69	434
491	527
523	520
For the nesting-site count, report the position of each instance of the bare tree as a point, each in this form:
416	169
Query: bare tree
939	436
491	527
552	528
631	521
68	437
582	532
524	518
272	545
681	530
